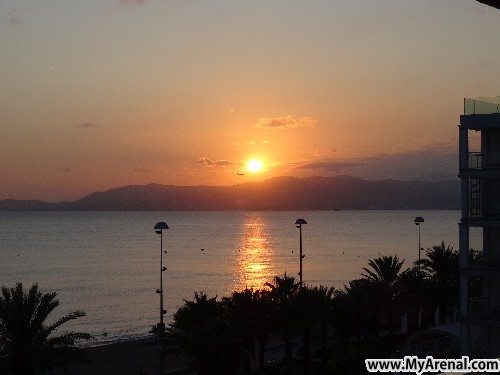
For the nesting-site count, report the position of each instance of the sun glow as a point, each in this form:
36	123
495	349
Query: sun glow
254	165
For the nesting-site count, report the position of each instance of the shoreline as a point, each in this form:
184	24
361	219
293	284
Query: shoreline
134	357
140	357
95	343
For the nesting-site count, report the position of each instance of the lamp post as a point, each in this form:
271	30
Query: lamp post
417	221
159	227
298	224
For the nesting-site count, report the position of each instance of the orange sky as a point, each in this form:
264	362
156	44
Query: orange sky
99	94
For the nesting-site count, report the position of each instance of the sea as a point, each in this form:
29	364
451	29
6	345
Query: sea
108	263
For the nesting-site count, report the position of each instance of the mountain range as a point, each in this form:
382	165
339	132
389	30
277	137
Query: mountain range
279	193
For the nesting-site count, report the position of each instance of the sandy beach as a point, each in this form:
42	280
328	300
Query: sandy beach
137	357
133	357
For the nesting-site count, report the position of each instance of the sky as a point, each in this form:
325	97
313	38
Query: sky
98	94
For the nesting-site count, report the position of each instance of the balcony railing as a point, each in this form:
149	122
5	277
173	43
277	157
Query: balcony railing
479	308
477	106
484	259
478	160
475	160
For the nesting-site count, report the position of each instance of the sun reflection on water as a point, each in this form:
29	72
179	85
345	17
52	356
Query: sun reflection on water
255	254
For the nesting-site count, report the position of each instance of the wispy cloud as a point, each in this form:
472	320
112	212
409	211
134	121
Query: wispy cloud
210	162
132	2
14	21
331	165
143	170
322	153
285	122
431	162
64	169
87	125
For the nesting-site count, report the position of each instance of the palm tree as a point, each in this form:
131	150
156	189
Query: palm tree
26	342
413	296
441	270
202	330
312	308
245	320
324	306
264	311
384	276
385	270
282	294
305	317
352	311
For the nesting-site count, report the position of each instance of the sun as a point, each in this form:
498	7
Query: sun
254	165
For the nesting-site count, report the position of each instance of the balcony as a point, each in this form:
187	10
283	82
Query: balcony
484	259
481	106
483	263
480	309
480	161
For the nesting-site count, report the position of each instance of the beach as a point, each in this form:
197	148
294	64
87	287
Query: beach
133	357
140	357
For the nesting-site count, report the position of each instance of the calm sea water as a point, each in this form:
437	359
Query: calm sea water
107	263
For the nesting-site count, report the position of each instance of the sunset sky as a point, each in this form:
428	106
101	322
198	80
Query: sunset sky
98	94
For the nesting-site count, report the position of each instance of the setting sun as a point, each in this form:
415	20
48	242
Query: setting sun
254	165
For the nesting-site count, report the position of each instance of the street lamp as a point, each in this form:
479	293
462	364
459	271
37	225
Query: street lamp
417	221
161	326
298	224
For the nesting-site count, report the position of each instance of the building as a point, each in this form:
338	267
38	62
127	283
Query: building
491	3
479	164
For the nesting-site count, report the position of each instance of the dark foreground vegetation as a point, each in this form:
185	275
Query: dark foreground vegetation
284	328
28	344
323	330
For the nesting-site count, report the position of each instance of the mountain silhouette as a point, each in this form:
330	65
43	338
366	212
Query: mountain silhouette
279	193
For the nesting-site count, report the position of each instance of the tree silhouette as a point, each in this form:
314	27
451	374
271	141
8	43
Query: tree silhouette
282	294
27	345
324	306
385	271
442	273
264	311
413	295
250	316
353	315
202	330
312	308
384	277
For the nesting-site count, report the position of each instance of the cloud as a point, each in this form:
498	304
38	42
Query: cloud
143	170
322	153
210	162
285	122
14	21
132	2
432	162
64	169
333	165
87	125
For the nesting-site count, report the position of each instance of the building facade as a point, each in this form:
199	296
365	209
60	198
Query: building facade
479	165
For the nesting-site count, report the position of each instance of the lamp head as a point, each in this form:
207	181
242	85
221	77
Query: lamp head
160	226
418	220
299	222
